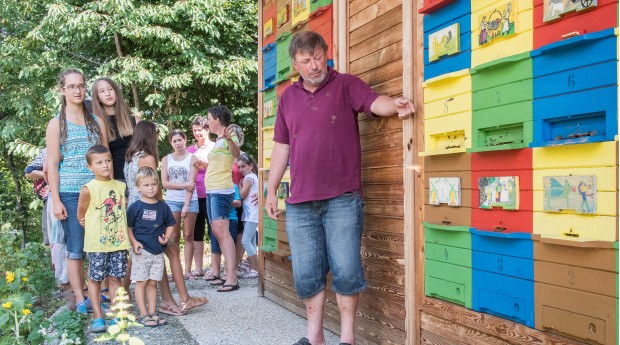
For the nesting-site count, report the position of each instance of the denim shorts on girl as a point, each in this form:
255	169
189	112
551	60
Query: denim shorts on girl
326	236
74	232
177	206
219	206
108	264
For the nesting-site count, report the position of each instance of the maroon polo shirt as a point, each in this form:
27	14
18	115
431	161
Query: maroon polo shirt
323	134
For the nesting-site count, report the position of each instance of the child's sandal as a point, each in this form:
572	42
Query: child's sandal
160	320
146	321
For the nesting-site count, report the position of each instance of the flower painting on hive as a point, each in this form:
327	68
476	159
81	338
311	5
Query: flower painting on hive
555	9
496	23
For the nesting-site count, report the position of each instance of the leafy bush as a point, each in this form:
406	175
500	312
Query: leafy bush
69	325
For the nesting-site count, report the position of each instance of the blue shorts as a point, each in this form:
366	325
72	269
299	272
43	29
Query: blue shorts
219	206
233	227
326	236
109	264
74	232
177	206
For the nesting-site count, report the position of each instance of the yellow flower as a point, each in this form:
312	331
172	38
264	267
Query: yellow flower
7	305
24	279
25	311
10	276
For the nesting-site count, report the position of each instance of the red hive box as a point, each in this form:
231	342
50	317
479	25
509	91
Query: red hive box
281	87
321	21
562	24
497	164
270	10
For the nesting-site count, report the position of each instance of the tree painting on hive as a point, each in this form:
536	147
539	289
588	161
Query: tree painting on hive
299	6
445	41
500	191
496	23
282	17
445	190
555	9
577	193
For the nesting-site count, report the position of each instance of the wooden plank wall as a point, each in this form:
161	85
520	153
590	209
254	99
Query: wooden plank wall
375	54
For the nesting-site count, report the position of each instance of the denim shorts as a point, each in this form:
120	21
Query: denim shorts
110	264
219	206
233	227
74	232
177	206
326	236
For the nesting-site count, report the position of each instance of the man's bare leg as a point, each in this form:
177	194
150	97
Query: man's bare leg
315	307
347	306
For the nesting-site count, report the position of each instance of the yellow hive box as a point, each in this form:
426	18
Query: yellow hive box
300	12
447	113
576	191
500	29
268	137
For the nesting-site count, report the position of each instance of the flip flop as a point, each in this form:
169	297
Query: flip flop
171	310
210	277
194	302
103	297
218	282
228	288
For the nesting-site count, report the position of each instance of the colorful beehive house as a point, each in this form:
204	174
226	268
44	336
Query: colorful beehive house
576	191
447	113
502	191
558	20
448	190
447	39
576	289
576	90
503	275
447	263
500	29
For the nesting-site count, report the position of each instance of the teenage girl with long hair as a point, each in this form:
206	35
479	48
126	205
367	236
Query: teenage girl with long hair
109	104
69	135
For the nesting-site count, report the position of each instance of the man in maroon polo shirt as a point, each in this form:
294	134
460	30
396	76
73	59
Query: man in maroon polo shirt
316	129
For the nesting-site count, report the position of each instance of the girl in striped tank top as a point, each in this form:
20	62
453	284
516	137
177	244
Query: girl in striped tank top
69	135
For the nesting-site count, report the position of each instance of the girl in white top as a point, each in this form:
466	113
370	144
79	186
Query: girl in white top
178	174
249	186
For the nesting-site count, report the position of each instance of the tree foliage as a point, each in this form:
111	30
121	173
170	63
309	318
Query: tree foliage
174	59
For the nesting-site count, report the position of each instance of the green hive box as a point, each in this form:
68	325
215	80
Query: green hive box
447	263
316	4
502	96
270	234
270	107
283	64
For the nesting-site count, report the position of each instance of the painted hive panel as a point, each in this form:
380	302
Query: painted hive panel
505	214
503	275
557	20
447	113
447	39
270	10
283	64
449	166
269	65
502	104
283	17
300	11
316	4
576	91
500	29
575	191
576	288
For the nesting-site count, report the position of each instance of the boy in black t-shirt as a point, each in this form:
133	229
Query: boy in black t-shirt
150	225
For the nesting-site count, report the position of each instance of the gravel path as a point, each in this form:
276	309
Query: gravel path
238	317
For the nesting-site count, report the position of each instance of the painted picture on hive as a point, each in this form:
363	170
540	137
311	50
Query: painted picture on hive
444	190
555	9
576	193
445	41
299	6
499	191
496	23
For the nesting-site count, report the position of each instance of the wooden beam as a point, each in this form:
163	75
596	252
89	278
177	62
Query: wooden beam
414	190
261	202
341	36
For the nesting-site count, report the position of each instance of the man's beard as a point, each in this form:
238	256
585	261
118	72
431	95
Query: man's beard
316	81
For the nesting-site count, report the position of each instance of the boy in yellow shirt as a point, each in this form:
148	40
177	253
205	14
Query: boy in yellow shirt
102	212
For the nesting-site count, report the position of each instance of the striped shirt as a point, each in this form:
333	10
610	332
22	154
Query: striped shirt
73	171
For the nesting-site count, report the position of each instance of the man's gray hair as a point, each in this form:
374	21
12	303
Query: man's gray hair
305	42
